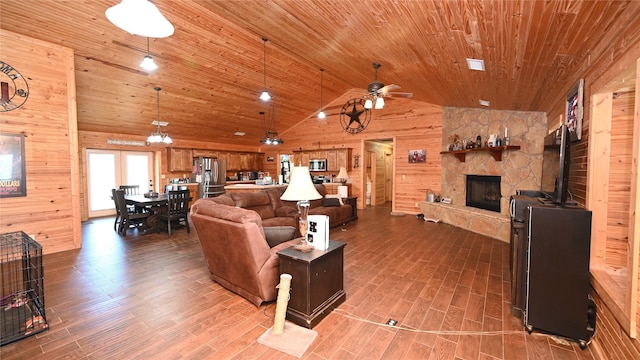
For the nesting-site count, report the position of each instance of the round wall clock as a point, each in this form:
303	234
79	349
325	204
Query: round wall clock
354	117
14	90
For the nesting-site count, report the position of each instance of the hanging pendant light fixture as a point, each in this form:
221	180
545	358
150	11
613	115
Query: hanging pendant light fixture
147	63
265	96
158	136
321	114
271	137
139	17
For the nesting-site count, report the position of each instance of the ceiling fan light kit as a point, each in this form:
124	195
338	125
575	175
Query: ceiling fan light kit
158	136
139	17
374	99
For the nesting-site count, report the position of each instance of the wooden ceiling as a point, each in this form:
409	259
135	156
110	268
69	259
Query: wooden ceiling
211	69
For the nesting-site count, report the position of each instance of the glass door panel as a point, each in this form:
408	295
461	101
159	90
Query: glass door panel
108	169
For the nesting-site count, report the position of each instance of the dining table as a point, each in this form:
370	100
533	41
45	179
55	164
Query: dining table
140	200
153	204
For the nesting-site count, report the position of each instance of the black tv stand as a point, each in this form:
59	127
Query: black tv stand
550	267
545	201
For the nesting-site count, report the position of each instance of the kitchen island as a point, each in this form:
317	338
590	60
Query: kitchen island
249	187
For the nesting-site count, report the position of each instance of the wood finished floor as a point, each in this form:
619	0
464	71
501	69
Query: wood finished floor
143	297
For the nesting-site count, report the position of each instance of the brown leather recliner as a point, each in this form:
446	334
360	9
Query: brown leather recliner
237	253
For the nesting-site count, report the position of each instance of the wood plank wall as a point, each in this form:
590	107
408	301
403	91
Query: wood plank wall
51	209
412	124
598	73
619	180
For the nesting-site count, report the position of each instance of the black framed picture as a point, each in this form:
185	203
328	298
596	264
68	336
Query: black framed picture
574	110
13	180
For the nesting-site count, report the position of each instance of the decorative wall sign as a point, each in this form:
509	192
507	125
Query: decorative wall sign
14	89
12	166
354	117
575	110
417	156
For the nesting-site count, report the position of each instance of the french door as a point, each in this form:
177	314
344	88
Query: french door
108	169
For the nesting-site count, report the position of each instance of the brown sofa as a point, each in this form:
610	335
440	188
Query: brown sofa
338	213
236	251
276	212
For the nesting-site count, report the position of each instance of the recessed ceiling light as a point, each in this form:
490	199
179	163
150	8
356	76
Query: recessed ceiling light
239	133
485	102
159	123
475	64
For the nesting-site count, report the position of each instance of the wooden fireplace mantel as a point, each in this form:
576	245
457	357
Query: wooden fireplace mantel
495	151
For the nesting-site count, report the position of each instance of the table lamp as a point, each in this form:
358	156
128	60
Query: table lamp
342	175
301	189
342	178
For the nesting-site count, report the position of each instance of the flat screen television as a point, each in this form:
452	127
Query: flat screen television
555	166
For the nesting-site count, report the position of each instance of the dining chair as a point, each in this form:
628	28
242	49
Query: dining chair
128	219
130	189
118	210
133	190
177	209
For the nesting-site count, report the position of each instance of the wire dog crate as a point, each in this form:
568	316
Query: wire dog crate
22	311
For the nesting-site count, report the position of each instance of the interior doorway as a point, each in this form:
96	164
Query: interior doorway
108	169
378	171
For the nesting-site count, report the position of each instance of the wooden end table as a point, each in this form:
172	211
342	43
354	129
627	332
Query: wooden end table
317	284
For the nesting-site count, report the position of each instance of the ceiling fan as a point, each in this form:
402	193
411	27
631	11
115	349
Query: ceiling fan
377	91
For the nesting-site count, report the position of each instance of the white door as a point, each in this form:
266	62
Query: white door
108	169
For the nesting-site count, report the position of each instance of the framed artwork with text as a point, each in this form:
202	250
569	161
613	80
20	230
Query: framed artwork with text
13	180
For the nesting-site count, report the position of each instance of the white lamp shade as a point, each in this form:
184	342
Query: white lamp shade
265	96
148	64
139	17
368	104
342	175
301	187
379	103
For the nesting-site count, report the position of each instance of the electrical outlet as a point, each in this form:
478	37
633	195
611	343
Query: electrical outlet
417	205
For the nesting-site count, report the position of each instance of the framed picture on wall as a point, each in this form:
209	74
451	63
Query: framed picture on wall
12	168
574	110
417	156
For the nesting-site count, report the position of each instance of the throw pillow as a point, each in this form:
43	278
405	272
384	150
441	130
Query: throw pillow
329	202
278	234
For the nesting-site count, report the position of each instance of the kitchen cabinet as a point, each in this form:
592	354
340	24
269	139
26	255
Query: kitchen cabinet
336	158
343	157
179	160
234	161
332	160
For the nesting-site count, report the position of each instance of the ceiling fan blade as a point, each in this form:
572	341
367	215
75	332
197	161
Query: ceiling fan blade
388	88
399	94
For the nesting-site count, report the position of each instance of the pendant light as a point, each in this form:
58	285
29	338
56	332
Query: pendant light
139	17
265	96
321	114
158	136
271	137
147	63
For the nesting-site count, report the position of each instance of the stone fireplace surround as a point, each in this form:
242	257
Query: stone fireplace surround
519	169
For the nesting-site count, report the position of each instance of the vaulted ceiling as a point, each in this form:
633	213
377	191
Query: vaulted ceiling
211	70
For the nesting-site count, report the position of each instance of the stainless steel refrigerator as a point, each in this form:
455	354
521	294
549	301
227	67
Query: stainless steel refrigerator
210	174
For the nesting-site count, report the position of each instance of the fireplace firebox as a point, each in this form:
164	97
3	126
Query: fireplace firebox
483	192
